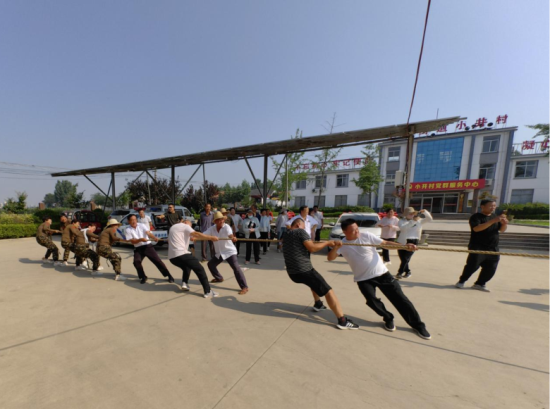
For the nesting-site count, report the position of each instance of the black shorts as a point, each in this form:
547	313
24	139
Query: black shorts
313	280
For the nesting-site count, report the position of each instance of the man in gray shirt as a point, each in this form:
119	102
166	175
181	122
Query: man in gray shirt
205	223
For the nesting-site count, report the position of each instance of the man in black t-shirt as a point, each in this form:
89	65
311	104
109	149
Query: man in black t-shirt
171	216
296	249
486	227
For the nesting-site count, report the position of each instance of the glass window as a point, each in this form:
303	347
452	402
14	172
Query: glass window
299	201
490	144
301	184
522	196
318	181
526	169
393	153
390	178
438	159
389	199
342	180
340	200
450	204
487	171
316	201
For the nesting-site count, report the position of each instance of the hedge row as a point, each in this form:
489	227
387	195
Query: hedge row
6	218
340	209
533	211
15	231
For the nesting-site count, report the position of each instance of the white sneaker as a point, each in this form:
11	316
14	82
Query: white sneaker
459	285
185	287
100	268
96	273
86	264
120	277
211	294
79	268
57	263
387	263
46	261
65	263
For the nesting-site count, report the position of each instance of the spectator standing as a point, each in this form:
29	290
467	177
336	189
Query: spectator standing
280	227
411	230
171	217
389	225
205	222
265	229
310	222
251	228
146	220
318	215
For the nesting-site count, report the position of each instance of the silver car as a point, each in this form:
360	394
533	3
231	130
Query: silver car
365	221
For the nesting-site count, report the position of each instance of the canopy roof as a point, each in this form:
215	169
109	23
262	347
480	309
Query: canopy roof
334	140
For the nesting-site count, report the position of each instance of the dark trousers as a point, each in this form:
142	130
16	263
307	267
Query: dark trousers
234	263
386	252
187	263
405	257
318	235
264	236
252	245
488	264
148	251
204	244
392	290
238	244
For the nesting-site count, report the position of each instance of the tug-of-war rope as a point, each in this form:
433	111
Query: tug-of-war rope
397	247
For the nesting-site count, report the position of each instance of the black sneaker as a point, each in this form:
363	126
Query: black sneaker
399	276
170	279
389	326
407	275
318	306
143	280
346	323
423	333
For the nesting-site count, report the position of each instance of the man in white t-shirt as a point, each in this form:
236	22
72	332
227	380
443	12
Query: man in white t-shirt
225	250
318	215
370	272
309	221
144	219
179	255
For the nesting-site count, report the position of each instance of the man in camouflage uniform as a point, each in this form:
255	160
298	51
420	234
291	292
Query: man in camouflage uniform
81	248
104	247
43	237
65	238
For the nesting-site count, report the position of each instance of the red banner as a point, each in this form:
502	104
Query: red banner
448	185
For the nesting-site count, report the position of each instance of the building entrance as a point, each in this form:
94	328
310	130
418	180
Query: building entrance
436	203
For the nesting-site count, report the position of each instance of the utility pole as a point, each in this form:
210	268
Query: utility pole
286	174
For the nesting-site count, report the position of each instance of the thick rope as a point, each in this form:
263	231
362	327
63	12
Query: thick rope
398	247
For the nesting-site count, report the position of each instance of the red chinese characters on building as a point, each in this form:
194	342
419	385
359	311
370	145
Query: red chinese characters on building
447	185
528	145
357	162
442	129
481	122
501	119
544	145
460	126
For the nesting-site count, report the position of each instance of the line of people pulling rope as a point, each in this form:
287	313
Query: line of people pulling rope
357	248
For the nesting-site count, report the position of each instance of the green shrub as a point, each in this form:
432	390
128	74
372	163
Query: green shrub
534	211
339	210
14	231
16	218
388	206
54	213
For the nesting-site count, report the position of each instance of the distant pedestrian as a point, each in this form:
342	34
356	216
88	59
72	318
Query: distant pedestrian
237	226
389	225
265	230
485	227
43	237
280	227
318	215
205	223
410	227
251	228
225	250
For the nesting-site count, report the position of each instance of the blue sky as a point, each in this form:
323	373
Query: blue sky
86	84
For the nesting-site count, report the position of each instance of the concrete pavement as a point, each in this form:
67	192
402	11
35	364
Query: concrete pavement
68	340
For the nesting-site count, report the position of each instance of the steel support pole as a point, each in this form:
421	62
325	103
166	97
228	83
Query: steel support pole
97	187
204	183
253	176
173	184
286	190
184	186
408	180
265	181
114	192
276	174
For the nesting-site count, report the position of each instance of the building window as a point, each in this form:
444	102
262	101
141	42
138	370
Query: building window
420	158
438	159
526	169
342	180
490	144
301	184
340	200
363	199
316	201
299	201
389	199
318	181
393	154
487	171
522	196
390	178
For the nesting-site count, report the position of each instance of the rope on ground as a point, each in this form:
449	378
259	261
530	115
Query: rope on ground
397	247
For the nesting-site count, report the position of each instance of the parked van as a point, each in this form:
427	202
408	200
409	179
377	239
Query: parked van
120	213
161	209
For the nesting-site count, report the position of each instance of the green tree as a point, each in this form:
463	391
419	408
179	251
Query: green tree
290	175
62	190
542	131
99	199
161	190
369	175
49	199
17	205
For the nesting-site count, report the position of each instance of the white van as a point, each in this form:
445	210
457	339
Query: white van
161	209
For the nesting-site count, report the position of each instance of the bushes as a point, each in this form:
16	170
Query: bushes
534	211
15	231
16	219
337	211
54	213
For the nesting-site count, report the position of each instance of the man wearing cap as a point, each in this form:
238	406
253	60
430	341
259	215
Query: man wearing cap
43	237
140	236
104	247
65	238
410	227
205	223
225	250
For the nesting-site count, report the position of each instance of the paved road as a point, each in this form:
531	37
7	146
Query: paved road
68	340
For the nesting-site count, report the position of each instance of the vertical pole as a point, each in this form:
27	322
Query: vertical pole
265	182
173	184
286	190
408	179
150	201
114	192
204	183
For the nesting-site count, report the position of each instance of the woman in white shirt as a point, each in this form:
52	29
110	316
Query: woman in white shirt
410	227
265	229
251	229
389	225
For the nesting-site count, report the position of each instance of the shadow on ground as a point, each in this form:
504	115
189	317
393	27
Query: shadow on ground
531	305
534	291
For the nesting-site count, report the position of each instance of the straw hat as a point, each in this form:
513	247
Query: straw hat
408	211
218	215
224	210
112	222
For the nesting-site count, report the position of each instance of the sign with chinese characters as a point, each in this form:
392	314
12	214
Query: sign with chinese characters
447	185
336	164
479	123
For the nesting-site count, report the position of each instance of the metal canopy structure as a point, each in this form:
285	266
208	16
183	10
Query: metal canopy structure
264	150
